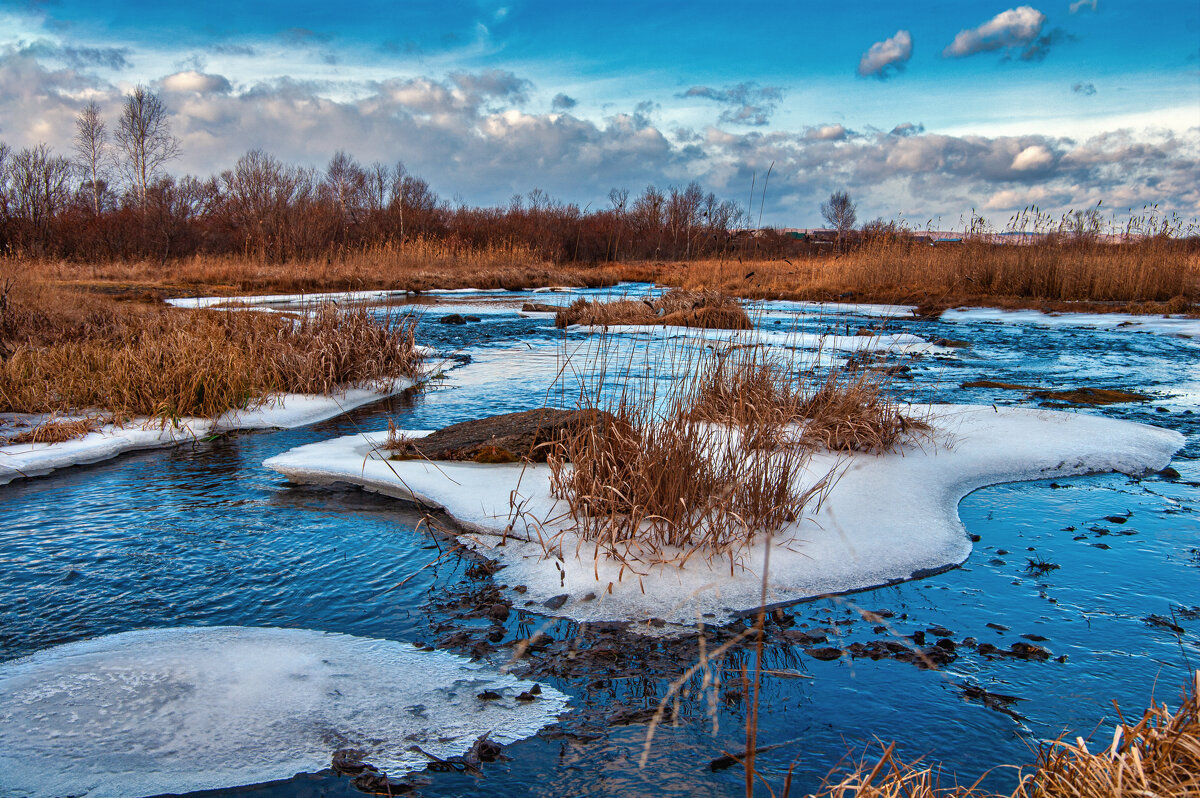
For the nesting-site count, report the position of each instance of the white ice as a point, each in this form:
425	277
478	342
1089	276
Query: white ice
278	411
887	519
899	343
1179	326
177	710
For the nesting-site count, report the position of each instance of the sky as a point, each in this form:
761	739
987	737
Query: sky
923	111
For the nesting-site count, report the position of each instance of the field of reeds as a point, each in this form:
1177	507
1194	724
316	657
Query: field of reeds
1159	275
716	454
416	265
65	351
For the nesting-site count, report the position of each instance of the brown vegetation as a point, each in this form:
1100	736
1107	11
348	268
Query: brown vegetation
718	459
1158	275
1072	396
55	431
1159	756
675	308
63	351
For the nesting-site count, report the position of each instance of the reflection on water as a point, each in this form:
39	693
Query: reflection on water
202	535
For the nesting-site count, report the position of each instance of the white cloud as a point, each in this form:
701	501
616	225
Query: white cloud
193	81
1013	28
1032	158
1079	5
826	133
890	54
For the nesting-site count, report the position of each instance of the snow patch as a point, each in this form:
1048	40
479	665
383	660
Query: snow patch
177	710
278	411
887	519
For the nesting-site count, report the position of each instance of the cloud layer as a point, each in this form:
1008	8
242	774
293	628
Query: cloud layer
470	135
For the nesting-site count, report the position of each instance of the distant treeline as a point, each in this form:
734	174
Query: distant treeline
267	210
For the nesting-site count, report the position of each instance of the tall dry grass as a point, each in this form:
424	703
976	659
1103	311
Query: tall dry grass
717	454
1162	271
1156	757
81	352
416	265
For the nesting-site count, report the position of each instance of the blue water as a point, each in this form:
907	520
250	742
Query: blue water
201	534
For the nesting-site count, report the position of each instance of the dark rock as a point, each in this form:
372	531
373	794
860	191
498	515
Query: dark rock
824	654
453	318
557	601
472	318
1116	519
498	613
998	627
1169	473
349	762
488	695
526	696
1036	638
939	631
510	437
952	343
1029	651
540	307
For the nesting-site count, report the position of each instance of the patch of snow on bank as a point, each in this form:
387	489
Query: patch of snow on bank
1180	326
279	411
177	710
887	519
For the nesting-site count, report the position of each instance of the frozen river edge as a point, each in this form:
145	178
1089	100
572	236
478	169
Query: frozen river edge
889	518
279	411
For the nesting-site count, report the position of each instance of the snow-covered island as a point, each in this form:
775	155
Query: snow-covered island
888	518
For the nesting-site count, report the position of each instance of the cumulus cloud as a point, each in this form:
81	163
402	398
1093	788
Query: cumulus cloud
1017	27
887	57
1033	158
1086	89
562	102
193	81
748	103
826	133
465	134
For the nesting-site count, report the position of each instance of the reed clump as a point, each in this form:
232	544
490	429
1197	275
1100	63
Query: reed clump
55	431
675	308
1156	757
720	455
134	360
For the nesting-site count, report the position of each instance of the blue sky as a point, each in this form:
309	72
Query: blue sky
923	110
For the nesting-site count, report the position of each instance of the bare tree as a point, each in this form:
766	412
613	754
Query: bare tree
40	185
91	145
840	212
5	171
144	136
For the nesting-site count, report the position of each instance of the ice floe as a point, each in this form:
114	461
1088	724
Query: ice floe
278	411
898	343
176	710
888	518
1164	325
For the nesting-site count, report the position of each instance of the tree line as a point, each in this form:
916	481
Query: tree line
112	198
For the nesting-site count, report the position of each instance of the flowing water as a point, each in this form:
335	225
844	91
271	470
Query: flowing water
202	535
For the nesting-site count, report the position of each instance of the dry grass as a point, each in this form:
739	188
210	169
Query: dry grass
717	459
675	308
1156	275
78	352
1156	757
416	265
56	431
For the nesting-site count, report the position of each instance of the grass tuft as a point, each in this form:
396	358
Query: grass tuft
675	308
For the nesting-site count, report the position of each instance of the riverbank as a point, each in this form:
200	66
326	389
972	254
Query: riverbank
1153	275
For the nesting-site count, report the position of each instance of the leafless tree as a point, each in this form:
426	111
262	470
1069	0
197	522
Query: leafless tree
840	212
346	183
91	147
5	172
144	136
40	184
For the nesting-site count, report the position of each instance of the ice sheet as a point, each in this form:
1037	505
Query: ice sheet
1178	325
888	518
280	410
177	710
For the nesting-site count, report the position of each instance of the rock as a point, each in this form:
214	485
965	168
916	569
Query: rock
1029	651
539	307
472	318
349	762
506	438
1169	473
556	602
951	343
824	654
453	318
488	695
